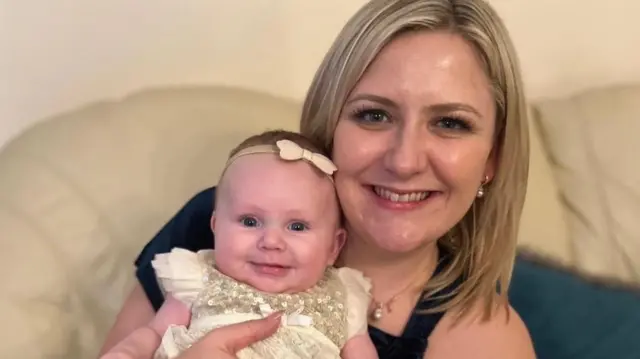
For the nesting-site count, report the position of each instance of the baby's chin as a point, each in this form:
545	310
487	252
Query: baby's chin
268	280
282	285
276	286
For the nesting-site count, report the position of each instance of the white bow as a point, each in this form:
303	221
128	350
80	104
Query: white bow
294	318
291	151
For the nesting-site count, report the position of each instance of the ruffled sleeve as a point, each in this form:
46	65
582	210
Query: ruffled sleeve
180	273
358	300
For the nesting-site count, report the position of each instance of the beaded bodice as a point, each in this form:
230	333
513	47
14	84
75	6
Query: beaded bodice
325	303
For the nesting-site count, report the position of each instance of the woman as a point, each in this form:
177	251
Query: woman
421	104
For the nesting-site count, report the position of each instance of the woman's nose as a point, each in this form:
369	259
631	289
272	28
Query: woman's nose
271	239
407	155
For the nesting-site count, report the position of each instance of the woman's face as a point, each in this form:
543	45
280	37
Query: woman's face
414	141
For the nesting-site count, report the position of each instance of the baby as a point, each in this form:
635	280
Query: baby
278	232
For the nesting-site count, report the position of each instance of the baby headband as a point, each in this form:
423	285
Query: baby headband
290	151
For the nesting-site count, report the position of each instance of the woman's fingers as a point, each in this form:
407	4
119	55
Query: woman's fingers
224	343
236	337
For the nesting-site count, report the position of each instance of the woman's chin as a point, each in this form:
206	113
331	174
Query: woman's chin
399	242
405	247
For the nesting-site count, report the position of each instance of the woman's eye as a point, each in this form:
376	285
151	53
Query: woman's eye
452	123
297	226
249	221
372	116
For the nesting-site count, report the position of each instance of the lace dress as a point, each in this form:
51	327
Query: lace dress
317	323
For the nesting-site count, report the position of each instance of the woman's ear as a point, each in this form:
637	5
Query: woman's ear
338	243
212	222
491	166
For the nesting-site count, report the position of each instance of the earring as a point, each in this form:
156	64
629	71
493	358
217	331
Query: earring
480	193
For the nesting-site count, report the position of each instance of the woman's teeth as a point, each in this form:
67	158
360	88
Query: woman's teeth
400	197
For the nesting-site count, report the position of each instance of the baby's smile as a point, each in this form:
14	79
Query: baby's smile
270	269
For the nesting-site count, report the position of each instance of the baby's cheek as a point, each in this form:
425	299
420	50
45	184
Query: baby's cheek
222	261
227	261
315	265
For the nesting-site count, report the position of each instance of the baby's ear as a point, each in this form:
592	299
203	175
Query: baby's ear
338	243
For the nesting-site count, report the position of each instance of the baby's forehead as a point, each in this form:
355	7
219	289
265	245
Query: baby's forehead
265	175
268	169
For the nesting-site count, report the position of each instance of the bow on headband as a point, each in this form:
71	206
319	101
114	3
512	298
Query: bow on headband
291	151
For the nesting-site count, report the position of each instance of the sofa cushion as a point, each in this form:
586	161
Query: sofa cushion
542	226
573	316
591	140
81	193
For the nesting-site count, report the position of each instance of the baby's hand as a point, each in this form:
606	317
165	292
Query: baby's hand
359	347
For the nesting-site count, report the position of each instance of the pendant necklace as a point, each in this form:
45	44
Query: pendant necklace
381	307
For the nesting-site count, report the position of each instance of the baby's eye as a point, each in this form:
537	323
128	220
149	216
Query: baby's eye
297	226
249	221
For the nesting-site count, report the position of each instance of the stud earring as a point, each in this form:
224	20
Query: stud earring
480	192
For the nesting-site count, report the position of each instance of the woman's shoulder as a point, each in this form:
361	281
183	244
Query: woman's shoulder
502	335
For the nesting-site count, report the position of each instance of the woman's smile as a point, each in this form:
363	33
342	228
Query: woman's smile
397	199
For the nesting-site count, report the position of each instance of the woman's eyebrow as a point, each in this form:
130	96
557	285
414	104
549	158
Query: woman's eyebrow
452	107
373	98
438	107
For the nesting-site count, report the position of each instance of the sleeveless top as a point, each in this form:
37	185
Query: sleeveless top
189	229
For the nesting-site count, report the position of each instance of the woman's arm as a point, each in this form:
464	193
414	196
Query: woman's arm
219	344
188	229
502	336
136	313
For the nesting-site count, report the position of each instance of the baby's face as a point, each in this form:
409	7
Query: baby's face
276	224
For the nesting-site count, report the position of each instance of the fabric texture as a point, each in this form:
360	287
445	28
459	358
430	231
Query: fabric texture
591	139
317	322
81	193
574	316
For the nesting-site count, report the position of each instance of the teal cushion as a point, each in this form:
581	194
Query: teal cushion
572	316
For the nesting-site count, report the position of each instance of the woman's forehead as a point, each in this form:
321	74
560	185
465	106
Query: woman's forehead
439	66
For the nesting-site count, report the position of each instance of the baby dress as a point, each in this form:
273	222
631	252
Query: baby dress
316	323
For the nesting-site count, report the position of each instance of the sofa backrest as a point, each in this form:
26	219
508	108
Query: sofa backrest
591	141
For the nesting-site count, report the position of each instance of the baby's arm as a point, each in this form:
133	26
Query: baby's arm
359	347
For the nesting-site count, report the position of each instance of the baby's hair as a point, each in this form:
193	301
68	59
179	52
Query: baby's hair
272	136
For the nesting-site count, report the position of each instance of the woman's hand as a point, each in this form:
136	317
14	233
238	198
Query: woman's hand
222	343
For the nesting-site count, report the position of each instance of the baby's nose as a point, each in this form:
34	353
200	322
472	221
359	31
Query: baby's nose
272	239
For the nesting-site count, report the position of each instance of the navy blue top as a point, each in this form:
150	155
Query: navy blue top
189	229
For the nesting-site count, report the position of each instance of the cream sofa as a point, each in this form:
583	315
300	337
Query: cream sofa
82	192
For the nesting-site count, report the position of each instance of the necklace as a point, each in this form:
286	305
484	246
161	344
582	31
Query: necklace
380	307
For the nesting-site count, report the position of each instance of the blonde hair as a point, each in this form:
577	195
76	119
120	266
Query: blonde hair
483	243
